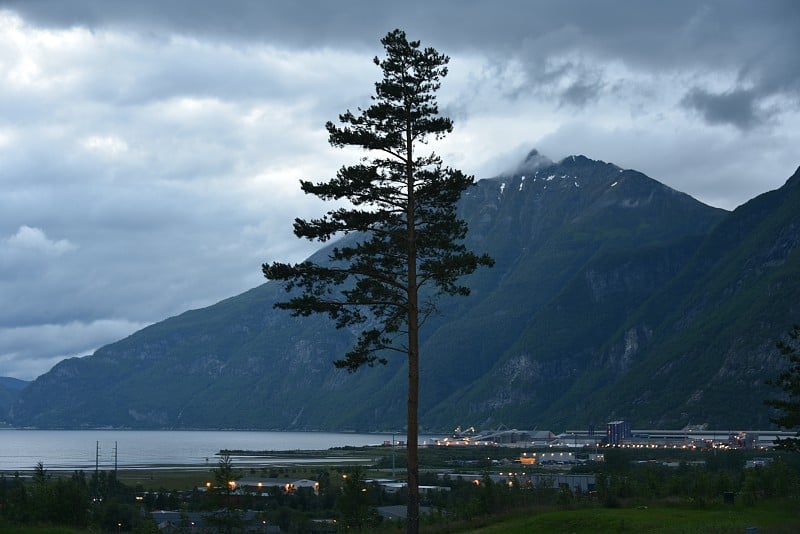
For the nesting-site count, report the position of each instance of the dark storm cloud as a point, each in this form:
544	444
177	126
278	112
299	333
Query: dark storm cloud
150	150
581	92
738	107
756	40
660	34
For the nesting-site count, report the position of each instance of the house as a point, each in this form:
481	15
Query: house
173	521
548	457
395	512
757	462
261	485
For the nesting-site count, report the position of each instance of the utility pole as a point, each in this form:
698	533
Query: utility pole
96	477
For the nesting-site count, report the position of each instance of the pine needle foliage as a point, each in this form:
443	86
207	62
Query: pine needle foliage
789	381
407	249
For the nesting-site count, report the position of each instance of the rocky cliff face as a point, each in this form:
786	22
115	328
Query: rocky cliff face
612	296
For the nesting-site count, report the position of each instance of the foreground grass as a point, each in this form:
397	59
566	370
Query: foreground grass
772	517
775	517
42	530
168	478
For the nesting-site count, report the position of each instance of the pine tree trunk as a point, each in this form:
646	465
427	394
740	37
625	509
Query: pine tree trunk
412	511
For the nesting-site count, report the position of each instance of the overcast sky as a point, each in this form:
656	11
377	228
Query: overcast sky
150	150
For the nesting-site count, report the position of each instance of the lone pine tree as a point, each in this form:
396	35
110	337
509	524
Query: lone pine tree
408	247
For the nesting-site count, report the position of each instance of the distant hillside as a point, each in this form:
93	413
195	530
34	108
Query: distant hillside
13	384
9	391
612	296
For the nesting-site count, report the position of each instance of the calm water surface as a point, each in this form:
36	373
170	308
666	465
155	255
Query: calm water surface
76	449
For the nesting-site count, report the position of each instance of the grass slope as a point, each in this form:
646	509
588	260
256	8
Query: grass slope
768	517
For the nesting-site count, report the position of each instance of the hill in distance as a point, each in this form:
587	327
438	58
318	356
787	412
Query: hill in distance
9	390
613	296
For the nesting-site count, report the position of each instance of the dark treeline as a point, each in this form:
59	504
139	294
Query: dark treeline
697	479
100	503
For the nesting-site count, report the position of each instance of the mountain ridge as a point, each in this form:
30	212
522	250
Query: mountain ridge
598	273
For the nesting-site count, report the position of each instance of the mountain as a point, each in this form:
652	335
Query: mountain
613	296
663	335
9	391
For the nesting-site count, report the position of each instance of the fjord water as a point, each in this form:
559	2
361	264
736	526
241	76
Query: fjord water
77	449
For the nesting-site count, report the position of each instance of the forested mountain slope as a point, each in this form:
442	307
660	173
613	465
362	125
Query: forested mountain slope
612	296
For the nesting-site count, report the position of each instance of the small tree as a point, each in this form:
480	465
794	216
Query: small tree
353	503
225	475
789	382
403	211
41	492
40	476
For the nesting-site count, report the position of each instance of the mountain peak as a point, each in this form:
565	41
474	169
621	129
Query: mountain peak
580	160
533	161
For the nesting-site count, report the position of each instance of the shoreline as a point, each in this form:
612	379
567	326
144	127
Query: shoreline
241	460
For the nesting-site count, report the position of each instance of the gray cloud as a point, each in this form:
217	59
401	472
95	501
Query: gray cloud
582	92
737	107
756	40
150	151
26	350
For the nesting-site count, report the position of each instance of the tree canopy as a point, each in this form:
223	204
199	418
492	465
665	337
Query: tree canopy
789	381
407	244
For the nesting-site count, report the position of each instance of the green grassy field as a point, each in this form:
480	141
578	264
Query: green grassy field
168	478
43	530
767	518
